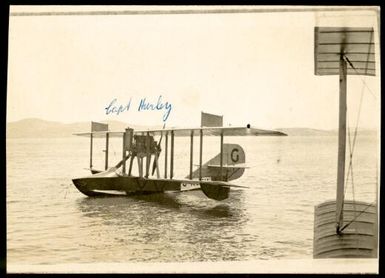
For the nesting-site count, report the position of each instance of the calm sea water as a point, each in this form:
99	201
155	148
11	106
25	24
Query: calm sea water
50	222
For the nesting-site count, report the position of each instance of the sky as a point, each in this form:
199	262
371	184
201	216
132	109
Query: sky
252	68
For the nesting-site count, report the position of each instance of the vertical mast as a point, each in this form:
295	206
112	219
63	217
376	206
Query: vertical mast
341	145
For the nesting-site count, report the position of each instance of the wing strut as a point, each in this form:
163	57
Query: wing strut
148	156
106	155
124	154
191	153
221	157
172	156
200	153
91	144
165	155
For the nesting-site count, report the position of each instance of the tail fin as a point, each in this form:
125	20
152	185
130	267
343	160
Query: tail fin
232	168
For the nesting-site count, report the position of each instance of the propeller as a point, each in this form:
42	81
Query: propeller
158	148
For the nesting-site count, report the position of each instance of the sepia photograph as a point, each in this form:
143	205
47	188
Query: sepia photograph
193	139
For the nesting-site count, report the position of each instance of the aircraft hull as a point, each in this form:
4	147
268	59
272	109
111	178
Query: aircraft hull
123	185
93	186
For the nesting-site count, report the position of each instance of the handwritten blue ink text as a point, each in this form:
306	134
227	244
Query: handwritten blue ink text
117	109
145	105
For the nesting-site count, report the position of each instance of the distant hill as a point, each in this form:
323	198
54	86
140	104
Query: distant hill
307	132
320	132
37	128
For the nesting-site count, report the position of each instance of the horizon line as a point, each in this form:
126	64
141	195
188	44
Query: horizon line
123	122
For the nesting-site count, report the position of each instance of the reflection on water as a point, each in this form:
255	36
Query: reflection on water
116	207
181	221
221	211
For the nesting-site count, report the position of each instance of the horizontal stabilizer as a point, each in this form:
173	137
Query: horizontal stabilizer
221	183
217	190
230	166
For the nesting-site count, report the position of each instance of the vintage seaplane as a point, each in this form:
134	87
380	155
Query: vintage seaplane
212	177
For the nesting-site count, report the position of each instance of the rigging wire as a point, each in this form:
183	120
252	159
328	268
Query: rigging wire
357	121
350	155
359	74
352	147
354	219
351	172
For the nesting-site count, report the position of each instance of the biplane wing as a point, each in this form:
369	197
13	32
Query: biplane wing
100	134
215	131
209	131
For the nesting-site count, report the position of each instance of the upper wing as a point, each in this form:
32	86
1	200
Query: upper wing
101	133
216	131
210	131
